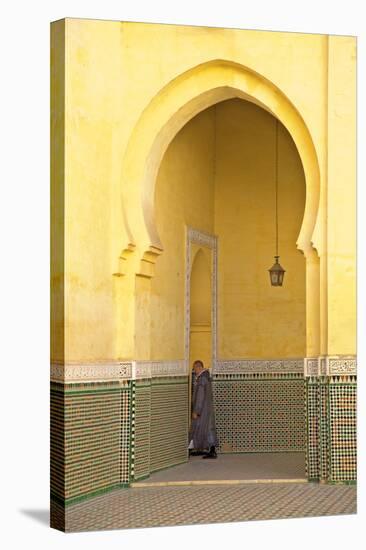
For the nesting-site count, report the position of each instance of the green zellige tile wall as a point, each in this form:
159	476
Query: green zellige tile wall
262	415
169	422
94	441
342	431
142	429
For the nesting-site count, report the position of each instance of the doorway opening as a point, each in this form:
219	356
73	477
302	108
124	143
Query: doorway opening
200	311
217	176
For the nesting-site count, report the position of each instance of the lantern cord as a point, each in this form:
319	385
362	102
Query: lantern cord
276	187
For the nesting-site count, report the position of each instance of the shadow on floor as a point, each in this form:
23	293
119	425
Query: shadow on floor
42	516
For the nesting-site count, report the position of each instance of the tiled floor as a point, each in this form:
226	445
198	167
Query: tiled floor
211	503
159	506
236	467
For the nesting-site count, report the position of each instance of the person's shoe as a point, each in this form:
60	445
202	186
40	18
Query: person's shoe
196	453
211	454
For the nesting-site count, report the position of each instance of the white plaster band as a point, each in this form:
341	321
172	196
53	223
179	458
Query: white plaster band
130	370
335	365
259	366
92	372
331	365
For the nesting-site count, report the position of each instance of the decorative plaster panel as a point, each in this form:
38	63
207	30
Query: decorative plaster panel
91	372
132	370
249	366
155	369
332	365
342	365
201	238
322	366
141	369
311	366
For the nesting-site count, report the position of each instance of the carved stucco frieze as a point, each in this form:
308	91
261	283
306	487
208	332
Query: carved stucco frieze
201	238
91	372
342	365
156	369
311	366
322	366
259	366
131	370
345	365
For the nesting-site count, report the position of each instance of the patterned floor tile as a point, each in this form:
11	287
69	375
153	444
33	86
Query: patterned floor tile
190	505
236	467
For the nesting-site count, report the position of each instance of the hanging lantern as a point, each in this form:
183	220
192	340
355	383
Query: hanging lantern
276	272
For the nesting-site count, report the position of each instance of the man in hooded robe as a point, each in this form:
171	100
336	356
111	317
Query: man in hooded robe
203	430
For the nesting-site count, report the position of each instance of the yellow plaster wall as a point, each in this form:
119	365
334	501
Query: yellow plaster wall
256	319
113	70
57	316
341	197
184	196
94	128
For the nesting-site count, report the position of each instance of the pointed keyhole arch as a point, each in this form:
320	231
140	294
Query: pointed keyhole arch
178	102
